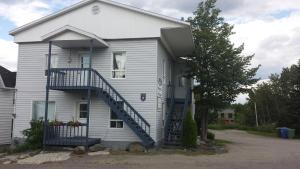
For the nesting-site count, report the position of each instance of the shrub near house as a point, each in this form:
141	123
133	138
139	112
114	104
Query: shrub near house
189	139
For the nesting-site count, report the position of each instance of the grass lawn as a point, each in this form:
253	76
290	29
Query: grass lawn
267	130
260	133
222	143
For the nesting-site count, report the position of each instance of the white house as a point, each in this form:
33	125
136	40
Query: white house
107	72
7	99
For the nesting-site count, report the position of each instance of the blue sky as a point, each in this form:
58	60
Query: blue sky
270	29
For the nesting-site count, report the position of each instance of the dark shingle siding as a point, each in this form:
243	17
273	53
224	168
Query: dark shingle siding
8	77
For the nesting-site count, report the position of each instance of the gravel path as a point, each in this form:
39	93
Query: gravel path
246	152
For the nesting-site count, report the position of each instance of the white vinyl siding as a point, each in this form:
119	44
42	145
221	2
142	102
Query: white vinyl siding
140	78
164	72
6	111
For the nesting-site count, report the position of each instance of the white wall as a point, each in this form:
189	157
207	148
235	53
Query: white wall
140	78
6	111
111	22
162	91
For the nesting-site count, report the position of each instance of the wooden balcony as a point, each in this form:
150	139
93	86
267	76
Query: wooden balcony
64	134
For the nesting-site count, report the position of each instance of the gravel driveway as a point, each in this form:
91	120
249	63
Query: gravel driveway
246	152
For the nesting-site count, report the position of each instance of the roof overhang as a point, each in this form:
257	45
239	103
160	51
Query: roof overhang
71	37
178	41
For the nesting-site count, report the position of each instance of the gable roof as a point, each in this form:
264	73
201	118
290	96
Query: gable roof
78	34
86	2
8	77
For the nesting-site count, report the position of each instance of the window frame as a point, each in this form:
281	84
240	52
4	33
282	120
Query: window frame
112	65
53	55
114	120
54	114
78	116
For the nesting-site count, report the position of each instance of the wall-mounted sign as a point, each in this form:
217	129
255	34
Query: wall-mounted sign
143	96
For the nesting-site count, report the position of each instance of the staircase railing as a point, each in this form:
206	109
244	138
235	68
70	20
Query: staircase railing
171	98
76	78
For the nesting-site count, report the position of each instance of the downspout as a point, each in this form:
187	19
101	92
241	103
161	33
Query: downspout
47	96
89	95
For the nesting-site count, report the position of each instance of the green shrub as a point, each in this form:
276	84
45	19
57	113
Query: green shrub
34	136
210	135
189	139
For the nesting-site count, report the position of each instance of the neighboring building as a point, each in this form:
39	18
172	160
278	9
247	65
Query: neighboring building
115	70
7	98
226	116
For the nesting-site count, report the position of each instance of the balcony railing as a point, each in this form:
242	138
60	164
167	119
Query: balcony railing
67	134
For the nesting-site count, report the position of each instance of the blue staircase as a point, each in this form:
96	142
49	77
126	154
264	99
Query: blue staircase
175	117
74	79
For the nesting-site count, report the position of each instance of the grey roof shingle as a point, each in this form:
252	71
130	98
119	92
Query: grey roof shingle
8	77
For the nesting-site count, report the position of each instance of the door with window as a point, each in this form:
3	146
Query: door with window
84	63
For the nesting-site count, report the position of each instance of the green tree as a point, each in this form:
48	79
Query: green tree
189	137
219	68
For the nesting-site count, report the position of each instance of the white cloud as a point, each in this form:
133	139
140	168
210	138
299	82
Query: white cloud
23	12
245	10
8	54
276	43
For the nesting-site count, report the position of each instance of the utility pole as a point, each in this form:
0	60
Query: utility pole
255	109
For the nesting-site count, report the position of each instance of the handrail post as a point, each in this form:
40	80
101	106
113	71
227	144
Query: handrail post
47	96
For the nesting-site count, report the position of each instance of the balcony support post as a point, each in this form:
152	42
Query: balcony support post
89	95
47	96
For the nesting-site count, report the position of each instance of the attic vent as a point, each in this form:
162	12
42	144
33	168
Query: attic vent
95	9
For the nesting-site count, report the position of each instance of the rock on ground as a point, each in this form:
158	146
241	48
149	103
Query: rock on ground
136	147
97	147
79	150
45	157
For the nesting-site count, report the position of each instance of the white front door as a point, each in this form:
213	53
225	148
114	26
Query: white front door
84	63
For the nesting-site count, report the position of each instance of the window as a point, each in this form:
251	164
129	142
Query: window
38	110
119	65
230	115
53	63
83	110
115	122
181	81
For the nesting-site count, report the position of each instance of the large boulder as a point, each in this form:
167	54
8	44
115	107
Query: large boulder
136	147
79	150
96	147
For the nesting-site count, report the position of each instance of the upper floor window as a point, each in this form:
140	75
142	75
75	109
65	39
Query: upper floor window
119	65
53	63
